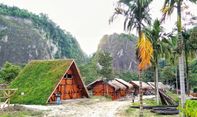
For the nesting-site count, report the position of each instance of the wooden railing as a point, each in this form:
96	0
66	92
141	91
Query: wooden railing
6	95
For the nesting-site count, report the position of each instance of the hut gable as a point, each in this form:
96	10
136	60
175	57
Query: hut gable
39	79
128	85
91	85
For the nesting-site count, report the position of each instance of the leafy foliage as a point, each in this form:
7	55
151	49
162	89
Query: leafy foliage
128	76
89	71
193	73
168	75
37	81
9	71
190	109
105	62
136	13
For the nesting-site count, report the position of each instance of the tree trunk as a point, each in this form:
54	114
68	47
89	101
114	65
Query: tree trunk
140	80
140	94
177	92
181	56
187	73
156	84
182	80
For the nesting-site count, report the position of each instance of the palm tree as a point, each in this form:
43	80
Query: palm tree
190	50
136	14
167	9
160	45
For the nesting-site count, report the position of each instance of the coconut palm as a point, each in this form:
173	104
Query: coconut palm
136	14
160	45
167	9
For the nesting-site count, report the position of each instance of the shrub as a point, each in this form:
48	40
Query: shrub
195	90
190	109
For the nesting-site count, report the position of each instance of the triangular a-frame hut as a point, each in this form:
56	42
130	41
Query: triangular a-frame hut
41	80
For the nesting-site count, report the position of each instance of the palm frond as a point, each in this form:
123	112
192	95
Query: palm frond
145	52
167	8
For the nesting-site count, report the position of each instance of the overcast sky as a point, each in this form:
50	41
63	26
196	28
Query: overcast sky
87	20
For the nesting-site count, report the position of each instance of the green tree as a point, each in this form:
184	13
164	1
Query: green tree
105	65
9	71
193	73
167	9
160	47
190	40
136	14
168	75
89	70
128	76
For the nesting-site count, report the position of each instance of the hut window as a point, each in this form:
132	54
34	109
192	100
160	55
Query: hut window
68	76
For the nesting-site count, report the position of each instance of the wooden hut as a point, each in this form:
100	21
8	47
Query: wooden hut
97	87
129	86
115	93
102	88
40	82
122	88
145	87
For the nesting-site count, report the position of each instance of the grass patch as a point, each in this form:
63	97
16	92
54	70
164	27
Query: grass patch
21	114
146	102
131	112
18	111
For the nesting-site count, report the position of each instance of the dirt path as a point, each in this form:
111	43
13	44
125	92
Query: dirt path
84	108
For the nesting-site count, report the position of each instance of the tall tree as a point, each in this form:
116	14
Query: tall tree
190	50
105	64
160	47
136	14
167	9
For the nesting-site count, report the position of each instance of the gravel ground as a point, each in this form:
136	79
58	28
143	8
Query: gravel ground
85	108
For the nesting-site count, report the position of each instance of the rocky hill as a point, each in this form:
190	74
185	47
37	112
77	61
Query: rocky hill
122	49
25	36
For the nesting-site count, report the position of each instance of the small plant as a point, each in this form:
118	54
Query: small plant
190	109
195	89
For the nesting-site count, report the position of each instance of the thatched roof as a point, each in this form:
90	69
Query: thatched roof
118	84
91	85
128	85
38	80
113	85
160	85
137	83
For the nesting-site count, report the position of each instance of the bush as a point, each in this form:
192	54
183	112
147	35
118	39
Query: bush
190	109
8	72
195	90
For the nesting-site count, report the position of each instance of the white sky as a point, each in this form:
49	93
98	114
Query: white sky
87	20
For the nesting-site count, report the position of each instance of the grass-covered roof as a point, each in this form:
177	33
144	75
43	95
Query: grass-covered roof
37	80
